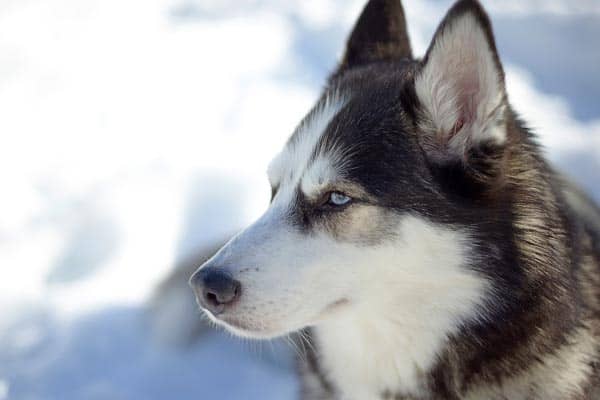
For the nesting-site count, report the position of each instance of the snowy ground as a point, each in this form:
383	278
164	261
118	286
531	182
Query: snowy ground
135	131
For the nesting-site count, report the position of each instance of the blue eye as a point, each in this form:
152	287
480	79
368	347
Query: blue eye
338	199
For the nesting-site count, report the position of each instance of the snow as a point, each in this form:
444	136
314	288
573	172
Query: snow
108	354
135	132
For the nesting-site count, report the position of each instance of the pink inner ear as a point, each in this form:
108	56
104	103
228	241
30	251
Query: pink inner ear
461	86
467	99
457	127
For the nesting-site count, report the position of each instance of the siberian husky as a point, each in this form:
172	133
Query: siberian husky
418	235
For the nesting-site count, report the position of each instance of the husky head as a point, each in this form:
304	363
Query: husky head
381	196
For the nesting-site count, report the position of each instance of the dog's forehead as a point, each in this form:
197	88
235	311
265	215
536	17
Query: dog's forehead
300	163
355	125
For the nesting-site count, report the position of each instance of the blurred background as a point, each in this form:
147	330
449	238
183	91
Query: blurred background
135	136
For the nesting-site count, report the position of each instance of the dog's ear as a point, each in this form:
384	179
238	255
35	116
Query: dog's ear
379	34
460	87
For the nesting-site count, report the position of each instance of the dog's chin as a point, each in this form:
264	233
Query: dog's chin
252	333
263	330
246	328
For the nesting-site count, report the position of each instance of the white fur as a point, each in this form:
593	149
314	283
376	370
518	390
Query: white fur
290	165
321	173
461	81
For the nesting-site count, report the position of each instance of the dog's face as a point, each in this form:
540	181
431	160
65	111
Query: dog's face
368	209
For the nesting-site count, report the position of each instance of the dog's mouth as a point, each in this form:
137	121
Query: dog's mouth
260	328
244	327
336	305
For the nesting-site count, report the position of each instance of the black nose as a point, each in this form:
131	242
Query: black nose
215	288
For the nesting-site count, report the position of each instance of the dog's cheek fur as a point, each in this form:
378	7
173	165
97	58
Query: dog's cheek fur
359	224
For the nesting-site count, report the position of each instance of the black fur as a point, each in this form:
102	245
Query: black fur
379	34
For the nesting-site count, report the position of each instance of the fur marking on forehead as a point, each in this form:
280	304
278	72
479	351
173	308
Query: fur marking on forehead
321	172
298	154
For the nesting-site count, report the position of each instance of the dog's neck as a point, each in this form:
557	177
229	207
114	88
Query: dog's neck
364	360
367	356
